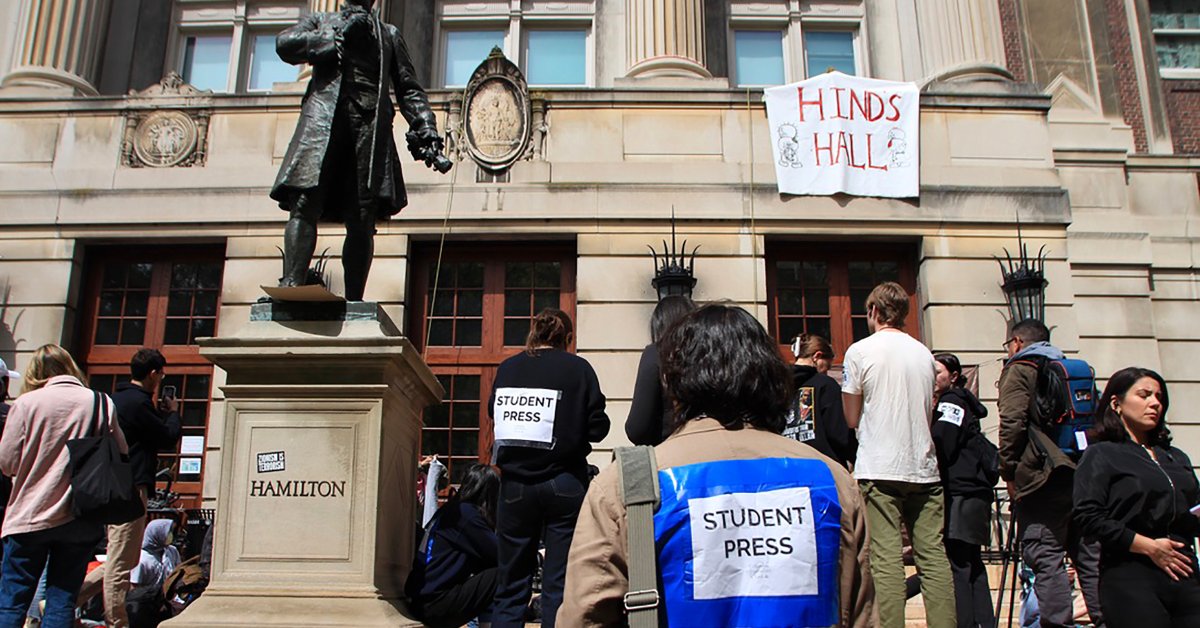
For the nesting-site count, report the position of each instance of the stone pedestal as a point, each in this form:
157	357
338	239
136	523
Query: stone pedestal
316	505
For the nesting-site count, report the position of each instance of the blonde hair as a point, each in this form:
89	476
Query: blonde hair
890	302
49	361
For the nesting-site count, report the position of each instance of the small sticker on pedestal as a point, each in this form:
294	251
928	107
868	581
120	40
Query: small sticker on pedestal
273	461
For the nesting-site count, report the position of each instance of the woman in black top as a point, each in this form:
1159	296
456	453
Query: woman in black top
815	413
546	409
969	489
648	415
1133	492
454	575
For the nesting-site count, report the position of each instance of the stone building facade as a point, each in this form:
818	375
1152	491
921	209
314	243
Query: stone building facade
134	208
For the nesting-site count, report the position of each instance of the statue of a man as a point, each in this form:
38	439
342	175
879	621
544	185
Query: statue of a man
342	163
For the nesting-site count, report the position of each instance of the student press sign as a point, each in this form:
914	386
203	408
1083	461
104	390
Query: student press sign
839	133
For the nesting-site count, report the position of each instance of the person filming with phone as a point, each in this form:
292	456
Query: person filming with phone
151	425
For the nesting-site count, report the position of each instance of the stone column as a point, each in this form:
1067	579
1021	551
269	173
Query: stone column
957	33
62	43
665	38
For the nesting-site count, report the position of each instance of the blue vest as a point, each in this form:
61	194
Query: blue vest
749	543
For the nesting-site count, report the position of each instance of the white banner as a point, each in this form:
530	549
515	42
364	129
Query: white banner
838	133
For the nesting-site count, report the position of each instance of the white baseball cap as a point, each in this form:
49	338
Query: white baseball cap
4	372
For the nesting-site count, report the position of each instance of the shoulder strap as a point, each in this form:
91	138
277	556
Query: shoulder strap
99	411
639	492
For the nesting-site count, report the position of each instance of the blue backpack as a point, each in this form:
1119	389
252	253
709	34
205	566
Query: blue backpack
1064	401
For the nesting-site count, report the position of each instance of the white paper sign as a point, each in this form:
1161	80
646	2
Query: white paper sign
189	466
525	415
951	413
191	445
754	544
838	133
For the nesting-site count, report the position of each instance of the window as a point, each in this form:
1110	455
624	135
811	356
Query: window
822	290
229	45
771	44
829	49
164	299
1176	25
477	316
758	57
549	40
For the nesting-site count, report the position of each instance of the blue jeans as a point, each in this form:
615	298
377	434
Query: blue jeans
63	552
529	513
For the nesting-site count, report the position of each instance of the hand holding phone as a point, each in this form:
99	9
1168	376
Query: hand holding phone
167	400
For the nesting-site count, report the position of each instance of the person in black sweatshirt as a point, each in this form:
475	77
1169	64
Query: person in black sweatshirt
1133	492
969	478
546	409
648	415
815	415
453	579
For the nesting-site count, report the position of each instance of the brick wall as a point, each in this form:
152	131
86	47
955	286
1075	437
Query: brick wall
1127	84
1014	49
1183	113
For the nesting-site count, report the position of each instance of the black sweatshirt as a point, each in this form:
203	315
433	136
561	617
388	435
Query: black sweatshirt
815	416
579	417
956	422
460	545
648	416
146	430
1121	491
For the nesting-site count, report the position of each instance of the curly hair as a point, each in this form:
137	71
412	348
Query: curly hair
1110	427
550	328
719	362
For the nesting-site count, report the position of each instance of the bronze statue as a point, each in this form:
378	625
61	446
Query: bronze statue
342	163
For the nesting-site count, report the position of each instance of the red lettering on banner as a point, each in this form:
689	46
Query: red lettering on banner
870	155
837	101
828	148
895	109
843	147
818	103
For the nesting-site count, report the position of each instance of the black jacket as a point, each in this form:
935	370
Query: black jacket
815	417
1121	491
5	481
146	430
460	544
956	422
579	417
648	413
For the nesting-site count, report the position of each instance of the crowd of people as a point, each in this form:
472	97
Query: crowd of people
786	498
47	548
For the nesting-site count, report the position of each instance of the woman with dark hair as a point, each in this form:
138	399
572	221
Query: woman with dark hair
815	417
546	409
1133	492
752	529
40	529
648	415
969	475
453	579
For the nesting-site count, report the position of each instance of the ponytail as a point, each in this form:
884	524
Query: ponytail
551	327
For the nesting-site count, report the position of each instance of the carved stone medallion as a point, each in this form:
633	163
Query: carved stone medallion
165	139
496	113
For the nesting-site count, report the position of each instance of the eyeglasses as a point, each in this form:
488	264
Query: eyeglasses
1009	342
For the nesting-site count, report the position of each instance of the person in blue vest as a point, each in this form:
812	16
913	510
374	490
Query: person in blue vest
753	528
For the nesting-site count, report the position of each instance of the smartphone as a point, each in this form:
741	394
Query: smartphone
1195	510
168	392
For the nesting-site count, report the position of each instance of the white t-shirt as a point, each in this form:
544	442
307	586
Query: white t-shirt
894	374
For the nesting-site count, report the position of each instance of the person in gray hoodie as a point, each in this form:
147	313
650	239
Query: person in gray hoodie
1039	478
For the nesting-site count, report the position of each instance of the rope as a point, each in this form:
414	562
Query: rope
437	271
753	225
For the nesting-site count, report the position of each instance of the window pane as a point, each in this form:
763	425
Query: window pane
1174	14
556	57
515	331
1178	52
819	327
830	49
266	68
470	303
758	57
465	50
206	61
468	332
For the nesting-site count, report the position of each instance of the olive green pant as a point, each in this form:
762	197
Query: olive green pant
920	508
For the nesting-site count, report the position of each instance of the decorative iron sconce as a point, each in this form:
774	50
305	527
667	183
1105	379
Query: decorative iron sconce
1024	282
674	277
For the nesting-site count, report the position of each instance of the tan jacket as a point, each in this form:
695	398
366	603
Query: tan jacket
1027	455
597	571
33	451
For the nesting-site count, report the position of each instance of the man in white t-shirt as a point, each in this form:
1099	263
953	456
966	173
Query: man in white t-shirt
887	394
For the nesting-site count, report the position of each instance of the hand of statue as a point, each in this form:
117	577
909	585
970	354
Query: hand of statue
357	25
426	145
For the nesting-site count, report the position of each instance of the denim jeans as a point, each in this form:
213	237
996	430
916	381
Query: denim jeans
64	553
528	513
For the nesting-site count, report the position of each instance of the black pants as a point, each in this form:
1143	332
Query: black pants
972	597
1136	594
458	605
528	513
